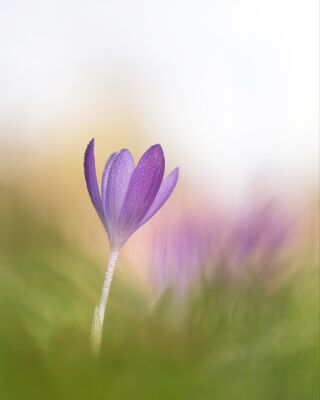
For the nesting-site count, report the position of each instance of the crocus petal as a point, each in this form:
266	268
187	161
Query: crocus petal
143	188
105	176
91	180
163	194
117	186
104	181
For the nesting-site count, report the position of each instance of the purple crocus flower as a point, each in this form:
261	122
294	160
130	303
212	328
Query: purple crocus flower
257	237
180	250
194	248
177	257
130	195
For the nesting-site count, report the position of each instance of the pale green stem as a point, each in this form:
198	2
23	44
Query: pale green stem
99	311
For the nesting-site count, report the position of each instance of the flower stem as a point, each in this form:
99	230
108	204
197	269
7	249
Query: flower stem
99	311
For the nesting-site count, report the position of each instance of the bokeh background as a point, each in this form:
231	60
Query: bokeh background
217	297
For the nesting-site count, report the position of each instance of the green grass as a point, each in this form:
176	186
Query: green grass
228	342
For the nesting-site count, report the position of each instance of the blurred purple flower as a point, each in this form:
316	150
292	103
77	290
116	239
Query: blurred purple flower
179	253
194	248
257	237
130	195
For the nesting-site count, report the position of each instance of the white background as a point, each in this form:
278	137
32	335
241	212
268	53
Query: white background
230	86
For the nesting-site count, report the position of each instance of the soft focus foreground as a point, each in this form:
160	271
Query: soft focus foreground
207	302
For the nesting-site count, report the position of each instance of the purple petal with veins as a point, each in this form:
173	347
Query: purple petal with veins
91	180
104	181
117	186
143	188
163	194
